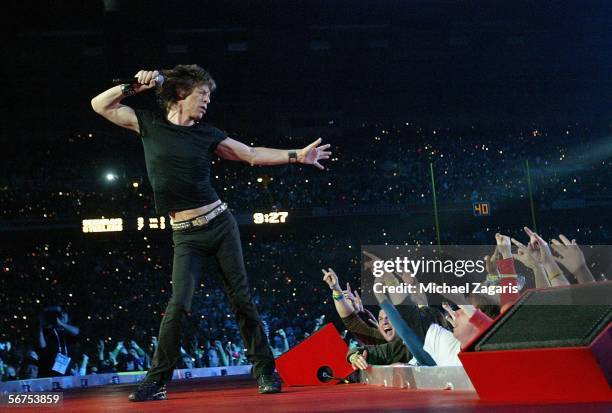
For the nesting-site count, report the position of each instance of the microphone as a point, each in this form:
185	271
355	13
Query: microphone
134	80
325	374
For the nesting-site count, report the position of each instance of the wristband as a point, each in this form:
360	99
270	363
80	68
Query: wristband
127	90
338	297
293	156
353	356
493	277
552	277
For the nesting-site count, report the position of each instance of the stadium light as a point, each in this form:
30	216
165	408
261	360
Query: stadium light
111	176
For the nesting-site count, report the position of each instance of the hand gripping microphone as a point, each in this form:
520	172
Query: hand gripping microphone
134	80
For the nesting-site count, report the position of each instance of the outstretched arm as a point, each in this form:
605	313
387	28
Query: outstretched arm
234	150
108	103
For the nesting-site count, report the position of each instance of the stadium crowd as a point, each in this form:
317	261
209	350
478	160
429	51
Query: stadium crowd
102	297
566	164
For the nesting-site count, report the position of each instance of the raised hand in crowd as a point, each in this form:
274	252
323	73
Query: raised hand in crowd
281	345
355	300
331	279
112	356
528	255
572	258
318	323
544	257
343	306
153	344
136	347
223	357
100	349
359	360
491	261
504	245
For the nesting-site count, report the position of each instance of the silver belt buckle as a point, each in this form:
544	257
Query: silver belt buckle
199	221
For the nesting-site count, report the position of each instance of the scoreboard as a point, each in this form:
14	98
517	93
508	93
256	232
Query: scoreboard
161	223
481	209
119	224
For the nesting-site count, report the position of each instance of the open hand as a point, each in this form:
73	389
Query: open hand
312	154
572	258
570	254
359	361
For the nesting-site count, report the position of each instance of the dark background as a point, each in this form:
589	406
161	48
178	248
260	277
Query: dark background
284	67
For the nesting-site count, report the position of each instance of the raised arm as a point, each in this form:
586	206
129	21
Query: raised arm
528	256
108	103
224	361
553	271
70	329
234	150
283	336
42	343
343	306
572	258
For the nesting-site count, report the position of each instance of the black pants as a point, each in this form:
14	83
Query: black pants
220	239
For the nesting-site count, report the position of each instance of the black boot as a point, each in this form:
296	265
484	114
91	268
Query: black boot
148	391
268	383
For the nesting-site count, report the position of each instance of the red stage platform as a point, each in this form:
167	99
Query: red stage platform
239	394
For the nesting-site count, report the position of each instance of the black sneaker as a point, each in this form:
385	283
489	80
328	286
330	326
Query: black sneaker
148	391
268	383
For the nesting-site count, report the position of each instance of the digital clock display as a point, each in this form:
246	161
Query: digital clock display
481	209
275	217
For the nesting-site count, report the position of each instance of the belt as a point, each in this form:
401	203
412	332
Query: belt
200	220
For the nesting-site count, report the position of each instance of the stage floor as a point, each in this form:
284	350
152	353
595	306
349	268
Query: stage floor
239	394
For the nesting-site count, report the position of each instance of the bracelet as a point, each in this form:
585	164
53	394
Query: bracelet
554	276
353	356
127	90
493	277
338	297
293	156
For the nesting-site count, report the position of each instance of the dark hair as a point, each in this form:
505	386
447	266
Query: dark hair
180	81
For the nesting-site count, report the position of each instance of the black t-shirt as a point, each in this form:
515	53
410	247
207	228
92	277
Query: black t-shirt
57	342
178	160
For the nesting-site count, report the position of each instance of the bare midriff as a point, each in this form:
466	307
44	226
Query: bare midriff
192	213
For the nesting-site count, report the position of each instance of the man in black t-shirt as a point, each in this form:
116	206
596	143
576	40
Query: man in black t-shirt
179	149
54	332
